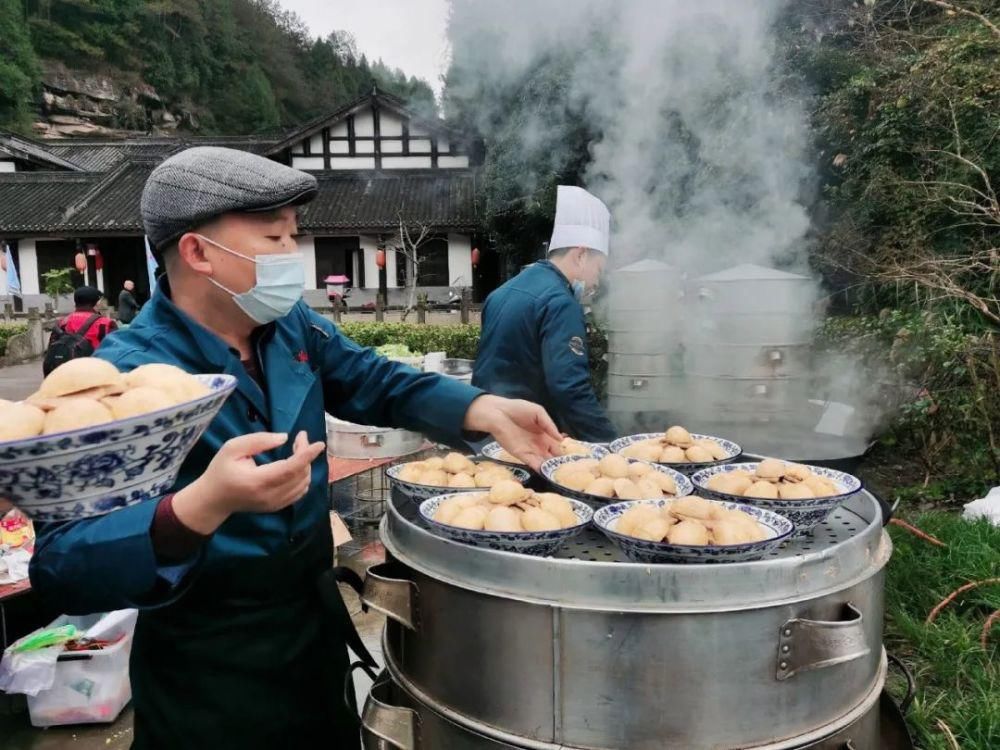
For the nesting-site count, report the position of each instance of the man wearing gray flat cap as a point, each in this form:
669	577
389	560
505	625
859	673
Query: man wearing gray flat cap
242	634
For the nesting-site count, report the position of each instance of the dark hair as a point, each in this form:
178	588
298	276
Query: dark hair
86	296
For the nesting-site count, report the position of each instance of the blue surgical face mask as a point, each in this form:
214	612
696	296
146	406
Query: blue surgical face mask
579	291
280	281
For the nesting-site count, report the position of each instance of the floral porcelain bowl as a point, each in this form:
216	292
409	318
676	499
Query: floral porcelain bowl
420	492
542	543
95	470
778	529
805	514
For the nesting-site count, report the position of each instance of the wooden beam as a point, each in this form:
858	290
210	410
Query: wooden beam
326	148
377	125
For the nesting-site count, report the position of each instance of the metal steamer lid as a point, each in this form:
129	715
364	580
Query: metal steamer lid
589	572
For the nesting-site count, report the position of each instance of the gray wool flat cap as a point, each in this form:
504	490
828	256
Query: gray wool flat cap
198	184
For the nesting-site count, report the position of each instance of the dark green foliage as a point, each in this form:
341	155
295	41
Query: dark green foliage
6	331
242	66
459	342
19	73
947	379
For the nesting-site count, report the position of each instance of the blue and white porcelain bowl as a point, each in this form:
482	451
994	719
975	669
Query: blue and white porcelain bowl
550	467
95	470
494	452
542	543
805	514
779	529
733	451
421	492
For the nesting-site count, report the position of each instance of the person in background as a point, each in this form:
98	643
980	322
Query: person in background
89	303
534	336
128	308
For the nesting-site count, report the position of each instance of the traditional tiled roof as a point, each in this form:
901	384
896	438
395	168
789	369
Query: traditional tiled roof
108	202
35	153
377	200
36	201
101	154
100	184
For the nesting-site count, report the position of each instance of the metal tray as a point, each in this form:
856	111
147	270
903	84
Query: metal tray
590	572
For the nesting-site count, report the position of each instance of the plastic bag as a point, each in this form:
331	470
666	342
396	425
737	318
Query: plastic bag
29	672
985	507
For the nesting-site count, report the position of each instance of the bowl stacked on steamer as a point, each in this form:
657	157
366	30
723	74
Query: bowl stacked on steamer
508	517
421	480
692	529
678	448
568	447
596	481
805	495
92	439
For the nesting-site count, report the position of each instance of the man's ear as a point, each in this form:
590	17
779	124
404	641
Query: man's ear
191	250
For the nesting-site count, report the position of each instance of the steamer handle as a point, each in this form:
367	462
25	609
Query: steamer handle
385	726
396	598
804	644
911	684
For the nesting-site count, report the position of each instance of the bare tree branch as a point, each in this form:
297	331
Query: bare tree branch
966	12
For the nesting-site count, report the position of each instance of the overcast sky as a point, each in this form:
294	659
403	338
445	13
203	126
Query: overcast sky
407	34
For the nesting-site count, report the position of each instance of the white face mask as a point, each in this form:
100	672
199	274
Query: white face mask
280	281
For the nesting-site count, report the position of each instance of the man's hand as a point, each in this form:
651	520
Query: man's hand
523	428
234	482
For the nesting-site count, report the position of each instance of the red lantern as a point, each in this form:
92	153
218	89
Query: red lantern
380	258
80	261
475	257
98	260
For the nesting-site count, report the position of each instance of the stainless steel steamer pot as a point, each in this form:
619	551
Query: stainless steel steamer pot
586	650
394	719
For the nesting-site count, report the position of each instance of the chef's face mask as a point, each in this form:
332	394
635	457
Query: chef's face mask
280	281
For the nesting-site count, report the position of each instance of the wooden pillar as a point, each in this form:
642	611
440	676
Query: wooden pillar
379	308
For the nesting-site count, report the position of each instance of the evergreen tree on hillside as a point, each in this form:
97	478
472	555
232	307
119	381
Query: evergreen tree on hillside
19	74
243	66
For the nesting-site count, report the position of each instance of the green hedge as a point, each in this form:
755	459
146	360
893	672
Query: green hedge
6	331
460	342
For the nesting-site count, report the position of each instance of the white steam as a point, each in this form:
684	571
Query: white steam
703	155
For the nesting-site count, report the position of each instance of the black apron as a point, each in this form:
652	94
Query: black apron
251	657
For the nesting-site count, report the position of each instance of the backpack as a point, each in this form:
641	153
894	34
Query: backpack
64	346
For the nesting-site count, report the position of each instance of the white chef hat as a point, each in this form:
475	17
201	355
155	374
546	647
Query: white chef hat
582	220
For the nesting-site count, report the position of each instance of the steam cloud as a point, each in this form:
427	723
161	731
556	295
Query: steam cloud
704	149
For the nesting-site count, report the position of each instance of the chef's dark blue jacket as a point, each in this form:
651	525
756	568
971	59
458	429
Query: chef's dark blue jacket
534	346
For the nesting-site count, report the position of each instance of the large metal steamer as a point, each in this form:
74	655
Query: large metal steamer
748	353
490	649
645	352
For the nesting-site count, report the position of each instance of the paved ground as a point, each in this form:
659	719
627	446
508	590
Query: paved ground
19	381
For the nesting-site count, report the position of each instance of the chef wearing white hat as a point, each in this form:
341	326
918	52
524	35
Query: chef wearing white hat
534	339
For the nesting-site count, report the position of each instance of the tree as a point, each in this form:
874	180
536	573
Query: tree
411	238
241	66
57	283
907	120
19	72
